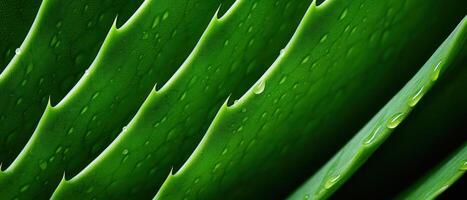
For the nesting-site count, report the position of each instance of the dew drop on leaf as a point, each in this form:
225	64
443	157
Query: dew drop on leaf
395	120
259	87
370	138
332	181
436	71
416	97
463	166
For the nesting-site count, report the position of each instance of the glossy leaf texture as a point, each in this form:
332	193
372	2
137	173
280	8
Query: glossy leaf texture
232	99
328	75
173	119
70	134
354	154
62	42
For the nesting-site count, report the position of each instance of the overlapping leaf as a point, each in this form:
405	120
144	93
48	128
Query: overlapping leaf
172	120
363	144
147	49
61	44
319	88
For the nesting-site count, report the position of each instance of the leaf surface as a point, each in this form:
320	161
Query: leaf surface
325	80
146	50
17	17
323	183
173	119
61	44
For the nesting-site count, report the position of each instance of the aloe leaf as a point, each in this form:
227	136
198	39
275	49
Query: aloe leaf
62	42
17	17
172	120
427	136
258	147
147	49
439	179
322	184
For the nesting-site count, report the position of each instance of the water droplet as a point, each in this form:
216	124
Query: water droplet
283	79
282	51
226	42
90	189
343	14
252	41
156	22
441	190
370	138
84	110
416	97
332	181
23	83
259	88
183	96
323	38
19	101
70	131
124	128
54	41
145	36
125	151
307	196
43	165
166	15
216	167
254	5
436	71
463	165
395	120
305	60
59	149
24	188
29	68
225	151
95	95
18	51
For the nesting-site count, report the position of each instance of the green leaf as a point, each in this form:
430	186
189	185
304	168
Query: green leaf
439	179
323	183
430	133
147	49
297	113
172	120
61	44
17	17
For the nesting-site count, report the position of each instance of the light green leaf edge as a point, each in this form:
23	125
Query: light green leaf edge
62	42
173	119
252	126
354	154
439	179
132	59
